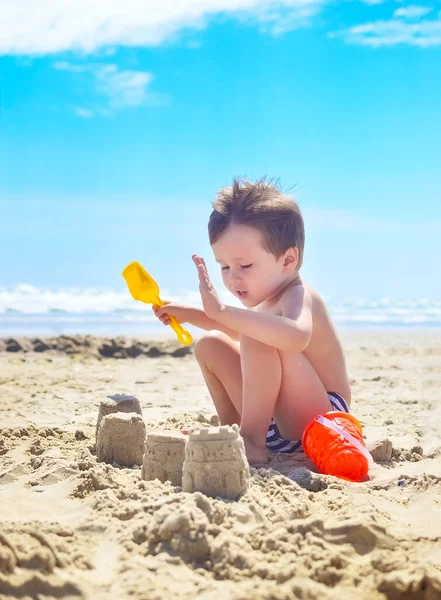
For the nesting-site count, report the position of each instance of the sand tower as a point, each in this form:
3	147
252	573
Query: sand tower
121	439
164	456
215	462
117	403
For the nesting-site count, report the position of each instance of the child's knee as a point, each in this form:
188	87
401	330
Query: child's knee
250	345
210	343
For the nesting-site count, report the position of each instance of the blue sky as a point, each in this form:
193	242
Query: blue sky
117	129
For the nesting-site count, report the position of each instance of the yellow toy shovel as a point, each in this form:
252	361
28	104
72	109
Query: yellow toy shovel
143	287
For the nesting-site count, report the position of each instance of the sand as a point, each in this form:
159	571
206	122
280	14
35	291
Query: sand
73	527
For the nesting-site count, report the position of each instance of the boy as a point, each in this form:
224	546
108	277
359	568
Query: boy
289	364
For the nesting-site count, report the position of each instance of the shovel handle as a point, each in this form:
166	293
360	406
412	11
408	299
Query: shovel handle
183	336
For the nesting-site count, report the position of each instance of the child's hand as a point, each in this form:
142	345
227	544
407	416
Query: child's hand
210	300
170	309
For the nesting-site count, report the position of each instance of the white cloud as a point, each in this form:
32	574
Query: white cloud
121	88
412	11
63	65
50	26
376	34
279	21
84	113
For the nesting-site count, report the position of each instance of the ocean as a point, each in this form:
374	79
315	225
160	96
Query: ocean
27	310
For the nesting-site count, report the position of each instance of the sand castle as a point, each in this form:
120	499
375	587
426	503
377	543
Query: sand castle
210	460
164	456
117	403
215	462
121	438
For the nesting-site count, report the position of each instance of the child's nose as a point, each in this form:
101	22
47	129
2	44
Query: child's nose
234	276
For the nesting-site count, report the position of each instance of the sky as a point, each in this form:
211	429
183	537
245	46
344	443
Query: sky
120	121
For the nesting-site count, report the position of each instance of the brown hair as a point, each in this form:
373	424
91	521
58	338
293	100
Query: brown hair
261	205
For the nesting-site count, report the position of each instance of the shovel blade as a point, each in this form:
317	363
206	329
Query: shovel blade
141	285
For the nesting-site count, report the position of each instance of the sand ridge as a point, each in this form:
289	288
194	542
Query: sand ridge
73	527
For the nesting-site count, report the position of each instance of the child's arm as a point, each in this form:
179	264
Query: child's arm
291	331
198	318
194	316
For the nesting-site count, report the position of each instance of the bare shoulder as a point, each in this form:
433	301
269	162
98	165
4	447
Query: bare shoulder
318	304
295	300
294	303
325	337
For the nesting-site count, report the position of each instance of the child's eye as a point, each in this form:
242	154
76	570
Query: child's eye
224	268
245	266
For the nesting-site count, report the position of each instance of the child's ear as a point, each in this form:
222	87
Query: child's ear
291	258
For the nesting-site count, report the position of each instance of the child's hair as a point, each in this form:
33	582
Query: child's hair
261	205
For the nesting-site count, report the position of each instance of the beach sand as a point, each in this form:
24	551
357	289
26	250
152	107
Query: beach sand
71	527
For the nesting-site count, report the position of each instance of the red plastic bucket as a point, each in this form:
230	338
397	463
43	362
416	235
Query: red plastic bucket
334	442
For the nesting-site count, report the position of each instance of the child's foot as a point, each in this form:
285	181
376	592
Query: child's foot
256	453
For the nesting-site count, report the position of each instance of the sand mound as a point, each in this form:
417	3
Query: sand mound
100	347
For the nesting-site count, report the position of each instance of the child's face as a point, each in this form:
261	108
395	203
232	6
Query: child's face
249	271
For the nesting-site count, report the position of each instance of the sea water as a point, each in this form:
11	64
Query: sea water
34	311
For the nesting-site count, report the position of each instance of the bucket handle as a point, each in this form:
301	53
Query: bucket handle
331	425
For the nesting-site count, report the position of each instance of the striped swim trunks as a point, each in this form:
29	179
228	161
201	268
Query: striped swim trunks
276	443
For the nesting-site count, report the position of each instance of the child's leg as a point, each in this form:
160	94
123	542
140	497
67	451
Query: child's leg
244	385
219	359
262	378
302	396
277	384
274	383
